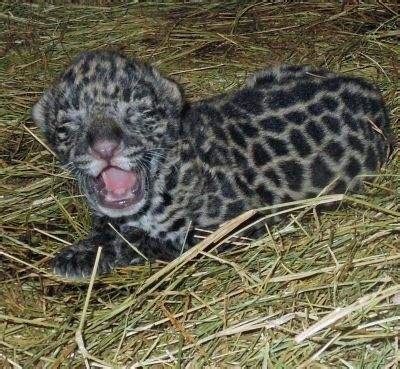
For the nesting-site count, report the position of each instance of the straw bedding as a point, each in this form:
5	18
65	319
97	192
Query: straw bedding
318	290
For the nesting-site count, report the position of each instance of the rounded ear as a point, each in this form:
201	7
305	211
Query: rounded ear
169	92
42	111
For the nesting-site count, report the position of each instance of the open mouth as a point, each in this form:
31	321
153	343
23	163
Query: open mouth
117	188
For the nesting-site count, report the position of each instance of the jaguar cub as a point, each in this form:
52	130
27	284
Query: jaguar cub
152	164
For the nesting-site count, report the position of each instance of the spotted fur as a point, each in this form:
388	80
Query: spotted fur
289	133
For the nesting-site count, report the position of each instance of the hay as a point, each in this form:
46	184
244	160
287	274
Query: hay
319	290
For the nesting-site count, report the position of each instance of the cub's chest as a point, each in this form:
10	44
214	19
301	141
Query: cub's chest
158	226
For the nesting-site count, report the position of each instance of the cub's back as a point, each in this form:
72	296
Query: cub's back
290	133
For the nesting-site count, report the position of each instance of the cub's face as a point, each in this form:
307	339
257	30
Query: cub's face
111	121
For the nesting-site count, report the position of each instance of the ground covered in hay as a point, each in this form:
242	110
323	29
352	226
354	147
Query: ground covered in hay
319	290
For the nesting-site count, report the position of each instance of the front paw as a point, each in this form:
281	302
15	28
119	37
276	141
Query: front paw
78	260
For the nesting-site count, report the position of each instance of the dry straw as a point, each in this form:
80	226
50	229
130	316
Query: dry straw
319	290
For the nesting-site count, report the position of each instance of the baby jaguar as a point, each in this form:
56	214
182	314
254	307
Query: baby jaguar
152	164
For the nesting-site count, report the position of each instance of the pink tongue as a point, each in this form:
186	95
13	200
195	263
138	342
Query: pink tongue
118	181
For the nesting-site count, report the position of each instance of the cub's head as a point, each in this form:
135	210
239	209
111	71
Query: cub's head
111	121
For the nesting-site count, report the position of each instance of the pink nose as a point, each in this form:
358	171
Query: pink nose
105	149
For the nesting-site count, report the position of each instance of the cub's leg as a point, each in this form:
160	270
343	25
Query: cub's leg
77	261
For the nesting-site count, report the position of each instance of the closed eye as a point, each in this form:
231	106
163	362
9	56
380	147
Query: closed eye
66	130
70	126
